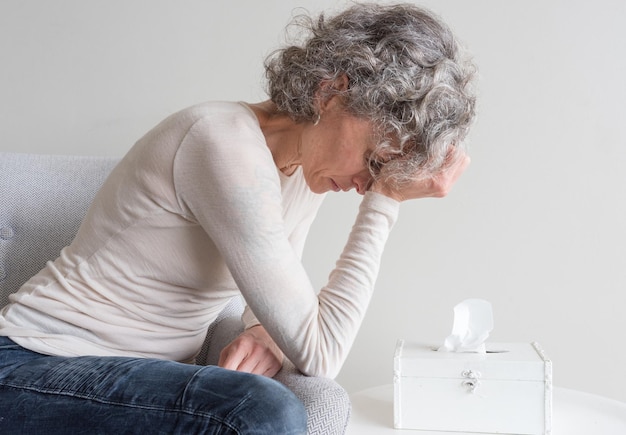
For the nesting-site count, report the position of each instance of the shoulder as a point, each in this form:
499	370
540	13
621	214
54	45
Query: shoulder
222	116
222	144
227	127
223	131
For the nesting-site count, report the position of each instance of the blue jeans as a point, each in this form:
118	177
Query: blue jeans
50	395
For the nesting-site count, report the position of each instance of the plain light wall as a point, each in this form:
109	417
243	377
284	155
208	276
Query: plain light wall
536	225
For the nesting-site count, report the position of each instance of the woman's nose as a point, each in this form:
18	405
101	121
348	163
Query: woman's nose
361	183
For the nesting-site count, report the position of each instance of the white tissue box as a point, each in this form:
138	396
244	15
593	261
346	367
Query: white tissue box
507	390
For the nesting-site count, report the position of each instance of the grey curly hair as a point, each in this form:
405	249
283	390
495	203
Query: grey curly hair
406	72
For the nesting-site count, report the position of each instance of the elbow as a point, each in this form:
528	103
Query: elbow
320	368
329	374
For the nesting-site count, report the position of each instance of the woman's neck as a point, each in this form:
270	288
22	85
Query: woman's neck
282	135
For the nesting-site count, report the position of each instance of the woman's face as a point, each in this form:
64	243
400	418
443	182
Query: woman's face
335	151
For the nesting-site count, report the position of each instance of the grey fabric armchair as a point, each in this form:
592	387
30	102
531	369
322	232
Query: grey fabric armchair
43	199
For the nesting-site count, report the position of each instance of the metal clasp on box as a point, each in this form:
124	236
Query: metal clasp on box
471	381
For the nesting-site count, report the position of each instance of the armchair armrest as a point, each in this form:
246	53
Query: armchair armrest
327	403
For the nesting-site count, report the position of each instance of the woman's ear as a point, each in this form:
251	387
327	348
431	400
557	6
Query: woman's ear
341	83
329	89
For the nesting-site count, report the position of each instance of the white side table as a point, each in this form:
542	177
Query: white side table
574	413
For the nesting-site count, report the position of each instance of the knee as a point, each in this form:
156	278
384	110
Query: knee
271	408
244	403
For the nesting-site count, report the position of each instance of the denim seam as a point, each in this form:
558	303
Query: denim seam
226	420
236	408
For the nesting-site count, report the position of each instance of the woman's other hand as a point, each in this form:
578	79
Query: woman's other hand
253	351
436	186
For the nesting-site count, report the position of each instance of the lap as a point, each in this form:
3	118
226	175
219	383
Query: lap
132	395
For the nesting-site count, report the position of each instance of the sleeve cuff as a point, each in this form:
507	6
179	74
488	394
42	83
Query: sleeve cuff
248	318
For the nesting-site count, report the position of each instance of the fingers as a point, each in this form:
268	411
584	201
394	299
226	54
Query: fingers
231	357
250	361
442	183
252	352
435	185
460	165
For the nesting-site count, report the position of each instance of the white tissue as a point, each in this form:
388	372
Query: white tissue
473	321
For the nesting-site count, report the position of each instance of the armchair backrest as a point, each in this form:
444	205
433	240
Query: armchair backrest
43	199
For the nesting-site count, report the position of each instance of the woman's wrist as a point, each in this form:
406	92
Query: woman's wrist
385	190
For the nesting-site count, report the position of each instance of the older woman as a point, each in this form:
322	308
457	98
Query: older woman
216	201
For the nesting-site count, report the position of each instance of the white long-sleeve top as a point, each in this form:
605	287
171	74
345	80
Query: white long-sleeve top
194	214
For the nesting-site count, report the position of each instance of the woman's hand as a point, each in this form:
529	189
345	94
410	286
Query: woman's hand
436	186
253	351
